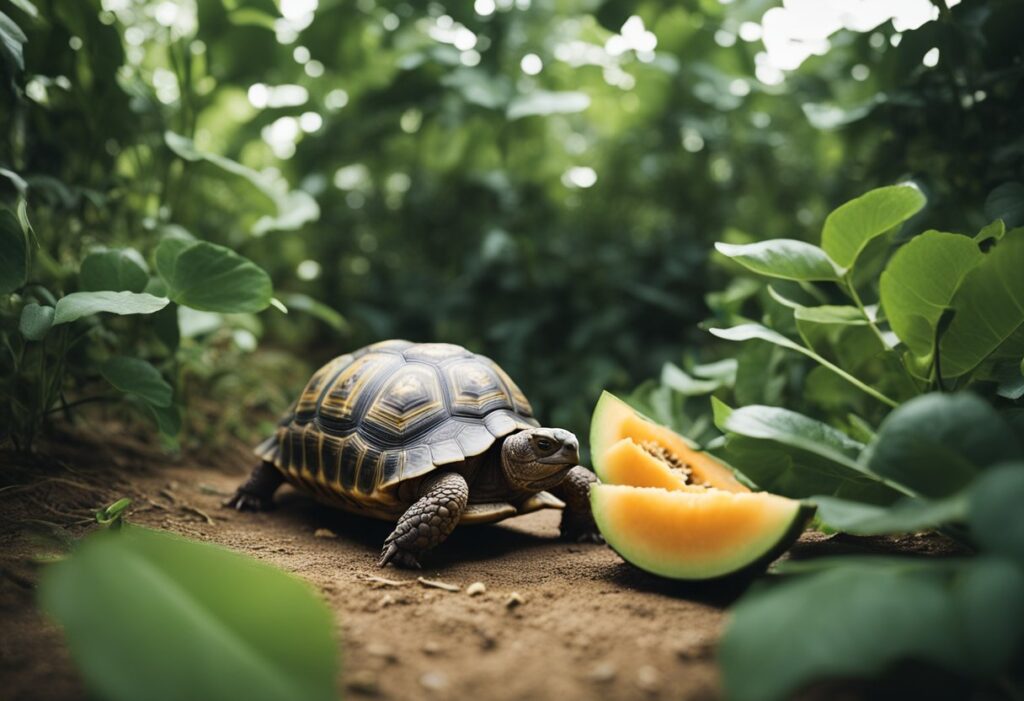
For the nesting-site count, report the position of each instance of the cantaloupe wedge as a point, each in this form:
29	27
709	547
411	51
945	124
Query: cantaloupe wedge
626	462
614	420
698	533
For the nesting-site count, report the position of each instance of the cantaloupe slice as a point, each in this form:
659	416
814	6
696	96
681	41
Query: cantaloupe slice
625	462
614	420
696	534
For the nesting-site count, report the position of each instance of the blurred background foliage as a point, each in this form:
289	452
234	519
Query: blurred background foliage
539	180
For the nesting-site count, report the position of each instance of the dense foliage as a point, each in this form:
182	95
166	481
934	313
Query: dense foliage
541	182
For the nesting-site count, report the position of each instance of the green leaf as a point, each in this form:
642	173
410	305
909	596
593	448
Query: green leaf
849	228
12	43
793	429
36	321
544	102
135	376
168	419
316	309
995	518
1006	202
919	283
78	304
678	380
990	234
267	196
152	616
114	269
27	7
13	253
989	307
212	278
831	314
936	444
782	258
859	620
908	516
752	331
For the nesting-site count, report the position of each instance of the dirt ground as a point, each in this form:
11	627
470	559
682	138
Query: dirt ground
557	620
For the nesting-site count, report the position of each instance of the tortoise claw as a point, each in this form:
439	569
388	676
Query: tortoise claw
400	558
244	501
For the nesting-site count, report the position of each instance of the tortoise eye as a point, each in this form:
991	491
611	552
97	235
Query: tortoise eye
544	444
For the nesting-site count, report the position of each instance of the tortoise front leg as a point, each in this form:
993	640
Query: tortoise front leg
257	494
427	522
577	519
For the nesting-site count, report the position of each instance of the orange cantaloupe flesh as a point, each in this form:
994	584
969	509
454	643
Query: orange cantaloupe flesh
625	462
693	535
614	420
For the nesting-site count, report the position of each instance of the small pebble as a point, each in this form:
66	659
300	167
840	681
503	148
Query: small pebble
435	681
648	679
385	652
363	681
602	672
432	647
324	533
476	588
386	600
514	599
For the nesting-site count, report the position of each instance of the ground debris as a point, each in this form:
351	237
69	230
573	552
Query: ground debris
435	584
435	681
324	533
648	679
602	672
379	582
432	647
514	599
476	588
382	651
363	681
198	512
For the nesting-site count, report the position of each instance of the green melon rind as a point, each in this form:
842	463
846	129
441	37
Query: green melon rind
751	562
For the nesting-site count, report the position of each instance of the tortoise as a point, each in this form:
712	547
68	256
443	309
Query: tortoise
429	435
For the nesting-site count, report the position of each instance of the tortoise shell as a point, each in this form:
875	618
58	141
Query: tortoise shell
388	413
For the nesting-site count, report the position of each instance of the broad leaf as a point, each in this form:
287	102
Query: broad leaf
859	620
831	314
35	321
78	304
908	516
850	228
995	518
12	43
168	419
13	252
678	380
212	278
114	269
152	616
136	376
316	309
782	258
184	147
989	307
937	444
793	429
919	283
544	102
1006	202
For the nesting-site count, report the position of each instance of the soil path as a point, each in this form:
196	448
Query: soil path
587	625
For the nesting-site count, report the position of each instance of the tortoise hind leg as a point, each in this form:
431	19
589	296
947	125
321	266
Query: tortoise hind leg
428	521
257	493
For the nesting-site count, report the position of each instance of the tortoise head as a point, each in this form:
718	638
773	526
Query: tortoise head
539	458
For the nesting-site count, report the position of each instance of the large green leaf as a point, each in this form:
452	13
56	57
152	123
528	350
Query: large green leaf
114	269
996	508
919	282
212	278
78	304
316	309
794	429
13	252
1006	202
136	376
858	620
260	185
850	227
989	307
937	444
907	516
152	616
782	258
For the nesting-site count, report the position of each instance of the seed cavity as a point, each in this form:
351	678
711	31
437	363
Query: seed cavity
662	453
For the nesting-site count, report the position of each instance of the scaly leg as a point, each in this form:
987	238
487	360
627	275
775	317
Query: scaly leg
257	494
577	520
427	522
